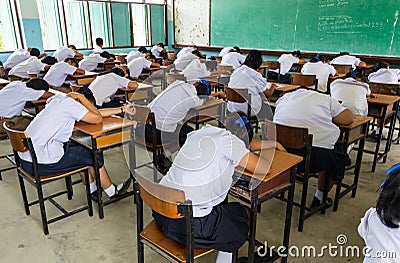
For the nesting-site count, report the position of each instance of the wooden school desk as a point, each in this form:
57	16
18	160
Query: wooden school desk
113	131
129	93
383	107
84	78
106	66
213	108
263	187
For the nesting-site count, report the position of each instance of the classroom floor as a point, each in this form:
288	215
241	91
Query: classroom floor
81	238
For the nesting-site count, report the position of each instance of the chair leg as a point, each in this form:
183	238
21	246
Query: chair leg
42	208
337	195
88	196
303	204
234	256
68	183
24	197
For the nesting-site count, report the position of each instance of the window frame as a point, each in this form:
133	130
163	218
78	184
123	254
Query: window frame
17	26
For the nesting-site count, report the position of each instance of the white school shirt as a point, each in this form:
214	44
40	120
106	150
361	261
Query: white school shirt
103	87
97	49
384	75
14	96
233	59
346	60
204	167
185	50
224	51
16	57
183	61
52	127
352	93
379	238
286	61
62	53
172	104
58	73
134	54
89	63
321	70
195	70
137	65
246	77
156	50
312	110
32	64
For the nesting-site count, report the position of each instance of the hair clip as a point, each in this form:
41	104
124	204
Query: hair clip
392	169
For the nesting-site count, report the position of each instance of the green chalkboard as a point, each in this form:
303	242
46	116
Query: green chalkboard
359	27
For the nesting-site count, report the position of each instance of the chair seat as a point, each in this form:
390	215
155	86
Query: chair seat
51	176
153	235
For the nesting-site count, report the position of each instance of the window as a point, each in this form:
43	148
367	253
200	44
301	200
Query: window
161	2
121	25
9	31
76	25
50	24
100	22
141	25
157	24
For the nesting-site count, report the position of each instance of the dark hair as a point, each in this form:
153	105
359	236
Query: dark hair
203	89
355	73
388	203
253	59
37	84
313	60
379	65
196	53
236	49
142	50
74	62
34	52
344	53
88	94
151	56
99	41
297	53
238	124
160	44
72	47
105	54
321	58
118	71
195	47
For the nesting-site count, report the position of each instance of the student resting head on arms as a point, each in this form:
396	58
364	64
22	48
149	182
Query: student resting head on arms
384	74
137	65
344	58
59	72
319	66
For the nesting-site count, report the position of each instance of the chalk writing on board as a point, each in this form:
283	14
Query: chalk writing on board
337	23
332	3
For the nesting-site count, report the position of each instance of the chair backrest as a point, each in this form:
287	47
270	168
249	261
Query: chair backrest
304	80
226	69
224	80
385	88
16	138
173	77
211	65
239	96
342	69
141	115
171	56
270	64
288	136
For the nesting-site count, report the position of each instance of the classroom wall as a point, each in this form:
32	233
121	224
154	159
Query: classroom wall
30	24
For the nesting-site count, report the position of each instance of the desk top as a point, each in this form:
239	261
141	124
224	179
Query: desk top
140	86
108	124
383	99
211	102
358	121
88	74
281	87
337	76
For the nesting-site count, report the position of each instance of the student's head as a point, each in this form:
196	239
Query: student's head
236	49
151	57
37	84
160	45
321	58
99	41
253	59
296	54
196	53
142	50
105	54
195	47
118	71
379	65
314	60
388	204
203	88
238	124
88	94
72	47
355	74
344	53
71	61
34	52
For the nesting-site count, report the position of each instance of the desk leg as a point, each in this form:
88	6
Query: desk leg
289	208
97	178
378	143
391	131
357	168
253	224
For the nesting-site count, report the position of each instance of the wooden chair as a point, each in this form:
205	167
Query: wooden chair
9	157
170	77
342	69
211	65
385	88
171	203
305	80
225	69
20	142
273	65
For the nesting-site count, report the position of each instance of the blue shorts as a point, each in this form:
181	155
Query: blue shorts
75	156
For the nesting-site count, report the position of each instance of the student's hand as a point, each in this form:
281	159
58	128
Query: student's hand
373	95
130	109
76	96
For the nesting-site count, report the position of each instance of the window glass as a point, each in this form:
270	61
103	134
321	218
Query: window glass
121	25
157	24
100	22
8	30
161	2
141	25
76	23
49	16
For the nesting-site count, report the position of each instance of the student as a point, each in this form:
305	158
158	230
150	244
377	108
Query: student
21	55
195	70
384	74
98	48
63	53
141	52
183	61
234	58
50	132
319	66
286	61
344	58
320	114
204	169
90	62
137	65
380	226
105	86
31	65
186	50
158	50
247	76
225	51
59	72
13	98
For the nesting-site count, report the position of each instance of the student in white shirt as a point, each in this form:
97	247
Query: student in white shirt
345	58
286	61
105	86
195	70
13	98
204	169
89	63
186	50
234	58
159	50
98	48
141	52
247	76
21	55
380	226
31	65
183	61
319	113
137	65
62	53
384	74
224	51
59	72
318	66
50	132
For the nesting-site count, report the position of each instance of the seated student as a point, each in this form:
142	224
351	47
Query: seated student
141	52
186	50
384	74
98	48
183	61
380	226
137	65
21	55
344	58
286	61
233	58
89	63
159	50
105	86
225	51
63	53
31	65
247	76
204	169
195	70
50	132
319	66
59	72
321	114
13	98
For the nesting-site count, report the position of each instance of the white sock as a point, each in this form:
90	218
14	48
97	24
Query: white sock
224	257
93	187
319	195
377	130
110	191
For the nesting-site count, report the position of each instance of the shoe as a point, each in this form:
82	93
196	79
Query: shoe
121	188
94	196
316	203
375	135
347	161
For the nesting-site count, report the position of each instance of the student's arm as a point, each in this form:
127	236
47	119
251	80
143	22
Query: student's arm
362	64
47	67
268	92
79	71
93	116
155	65
132	85
78	55
302	61
42	55
344	118
46	95
107	112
